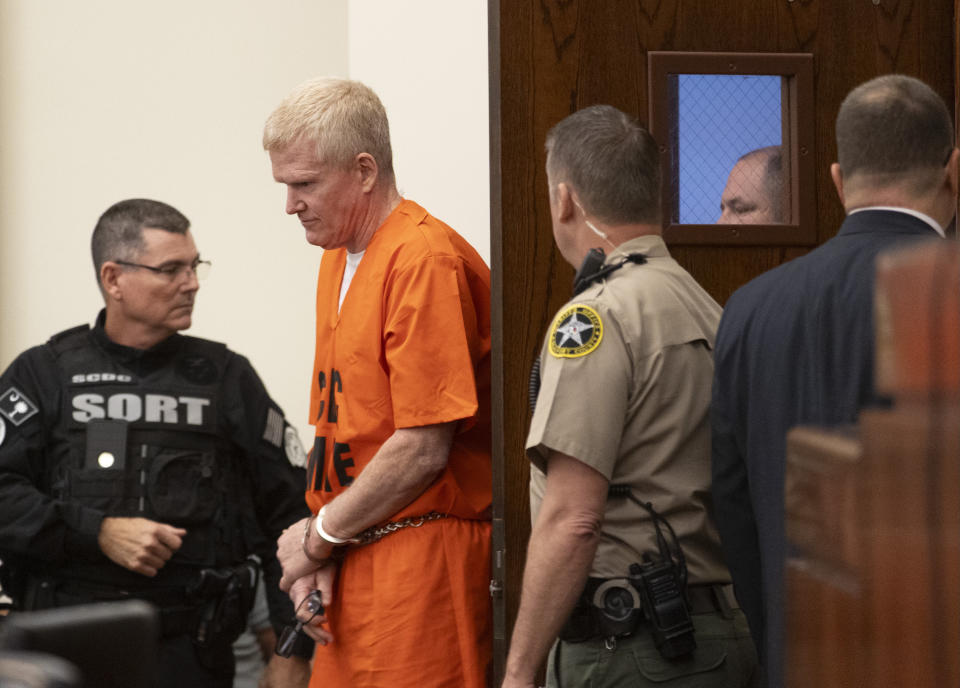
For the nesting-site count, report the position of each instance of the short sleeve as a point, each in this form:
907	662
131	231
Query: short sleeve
430	342
585	374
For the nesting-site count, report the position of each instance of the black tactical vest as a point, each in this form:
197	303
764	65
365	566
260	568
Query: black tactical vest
145	443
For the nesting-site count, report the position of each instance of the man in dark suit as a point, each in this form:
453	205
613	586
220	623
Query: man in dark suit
795	345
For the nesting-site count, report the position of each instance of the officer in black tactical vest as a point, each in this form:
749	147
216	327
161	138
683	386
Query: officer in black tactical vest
137	462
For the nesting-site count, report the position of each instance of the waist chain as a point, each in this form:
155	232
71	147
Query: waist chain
375	533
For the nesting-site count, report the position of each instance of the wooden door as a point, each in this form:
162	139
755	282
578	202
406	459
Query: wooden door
549	58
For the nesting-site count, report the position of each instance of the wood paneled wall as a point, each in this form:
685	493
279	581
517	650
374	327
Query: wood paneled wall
549	58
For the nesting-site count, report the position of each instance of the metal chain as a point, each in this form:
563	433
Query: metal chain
375	533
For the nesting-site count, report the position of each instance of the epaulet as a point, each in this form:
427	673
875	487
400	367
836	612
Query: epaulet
64	340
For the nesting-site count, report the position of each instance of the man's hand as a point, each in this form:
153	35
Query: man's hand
290	554
321	580
286	672
139	544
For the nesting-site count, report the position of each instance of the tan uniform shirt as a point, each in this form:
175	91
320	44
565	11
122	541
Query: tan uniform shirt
626	371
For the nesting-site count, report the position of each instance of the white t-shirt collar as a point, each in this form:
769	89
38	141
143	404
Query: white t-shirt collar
353	260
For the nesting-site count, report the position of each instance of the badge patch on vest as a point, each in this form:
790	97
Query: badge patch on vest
294	447
199	370
16	407
576	331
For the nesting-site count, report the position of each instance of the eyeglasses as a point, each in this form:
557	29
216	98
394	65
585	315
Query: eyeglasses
173	271
313	605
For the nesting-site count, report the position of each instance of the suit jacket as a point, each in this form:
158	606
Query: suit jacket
795	346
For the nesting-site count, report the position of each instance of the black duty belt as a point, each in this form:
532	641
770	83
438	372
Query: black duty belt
212	607
705	599
584	622
72	589
178	613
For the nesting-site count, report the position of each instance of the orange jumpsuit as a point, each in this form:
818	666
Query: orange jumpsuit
409	347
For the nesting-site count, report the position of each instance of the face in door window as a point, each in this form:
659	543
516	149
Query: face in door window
754	191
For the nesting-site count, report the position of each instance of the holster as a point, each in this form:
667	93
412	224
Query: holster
212	608
225	597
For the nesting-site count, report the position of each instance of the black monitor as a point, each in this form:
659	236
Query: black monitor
113	644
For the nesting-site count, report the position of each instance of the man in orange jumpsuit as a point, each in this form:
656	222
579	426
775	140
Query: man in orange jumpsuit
400	399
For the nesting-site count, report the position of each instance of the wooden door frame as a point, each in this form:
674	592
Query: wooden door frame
498	549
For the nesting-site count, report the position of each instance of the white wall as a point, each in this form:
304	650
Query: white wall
427	60
109	99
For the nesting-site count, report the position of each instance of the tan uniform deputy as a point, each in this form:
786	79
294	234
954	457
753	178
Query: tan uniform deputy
624	563
648	427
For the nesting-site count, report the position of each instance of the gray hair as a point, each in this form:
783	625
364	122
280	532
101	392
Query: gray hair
894	129
119	231
612	162
342	118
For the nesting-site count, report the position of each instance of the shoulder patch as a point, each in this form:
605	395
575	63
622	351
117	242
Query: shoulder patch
294	447
15	406
576	331
273	429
